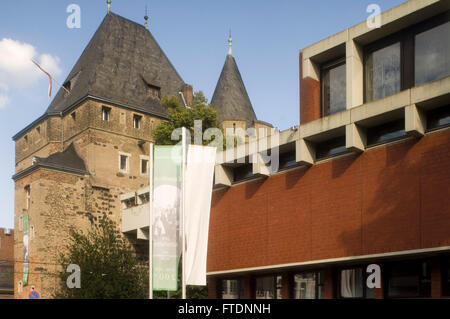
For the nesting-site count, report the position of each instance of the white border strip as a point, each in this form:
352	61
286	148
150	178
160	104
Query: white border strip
332	260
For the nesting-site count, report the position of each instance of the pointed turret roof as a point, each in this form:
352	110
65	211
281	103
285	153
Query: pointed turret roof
230	97
118	65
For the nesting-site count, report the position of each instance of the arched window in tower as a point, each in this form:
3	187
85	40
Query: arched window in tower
234	128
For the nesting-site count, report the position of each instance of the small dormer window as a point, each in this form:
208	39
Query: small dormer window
67	86
154	91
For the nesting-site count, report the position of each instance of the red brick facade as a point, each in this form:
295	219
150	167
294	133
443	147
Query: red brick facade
394	197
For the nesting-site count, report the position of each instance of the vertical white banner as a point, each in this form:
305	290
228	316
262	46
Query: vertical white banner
198	183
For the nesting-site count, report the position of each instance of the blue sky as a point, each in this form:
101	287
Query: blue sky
267	36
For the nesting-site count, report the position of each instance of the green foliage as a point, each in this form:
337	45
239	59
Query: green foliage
109	267
179	116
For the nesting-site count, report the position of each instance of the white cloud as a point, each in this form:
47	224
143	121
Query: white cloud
4	99
16	69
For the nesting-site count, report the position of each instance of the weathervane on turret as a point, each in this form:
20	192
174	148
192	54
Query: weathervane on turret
109	5
146	18
230	43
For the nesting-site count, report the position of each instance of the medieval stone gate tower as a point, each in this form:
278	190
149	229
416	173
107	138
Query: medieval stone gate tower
90	145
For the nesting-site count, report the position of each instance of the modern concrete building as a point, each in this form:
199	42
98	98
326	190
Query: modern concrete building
364	179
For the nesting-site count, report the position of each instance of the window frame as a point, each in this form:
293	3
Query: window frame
275	285
27	189
141	159
127	170
137	121
364	288
317	286
240	286
406	38
324	68
106	110
386	271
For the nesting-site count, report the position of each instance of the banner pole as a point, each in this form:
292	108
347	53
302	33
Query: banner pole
183	241
150	230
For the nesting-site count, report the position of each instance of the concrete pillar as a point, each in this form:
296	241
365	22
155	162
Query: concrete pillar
223	176
354	74
304	152
415	121
355	138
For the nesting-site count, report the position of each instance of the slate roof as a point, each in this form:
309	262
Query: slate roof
67	159
121	60
230	97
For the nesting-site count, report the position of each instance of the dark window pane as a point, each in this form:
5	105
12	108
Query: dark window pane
331	147
438	117
386	132
287	160
243	172
333	89
268	287
408	279
432	54
144	166
123	162
383	72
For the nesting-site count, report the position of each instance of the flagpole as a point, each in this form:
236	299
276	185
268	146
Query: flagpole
150	230
183	241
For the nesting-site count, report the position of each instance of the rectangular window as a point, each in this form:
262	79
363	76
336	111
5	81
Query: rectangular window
309	285
268	287
333	147
438	118
382	70
386	132
144	198
232	289
144	166
124	163
106	112
432	54
137	121
27	196
333	87
352	283
412	56
409	279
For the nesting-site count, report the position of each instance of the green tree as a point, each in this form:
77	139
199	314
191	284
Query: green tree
109	267
180	116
